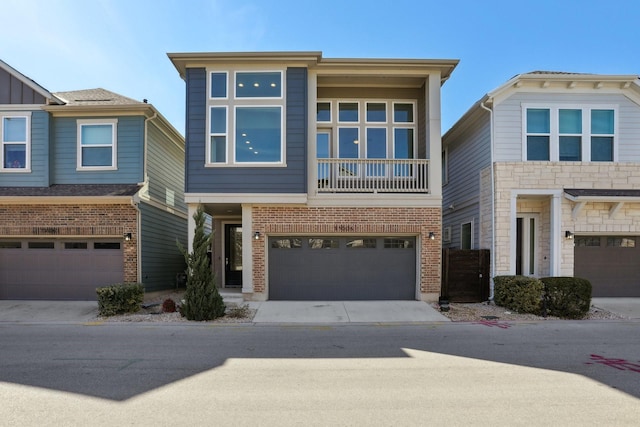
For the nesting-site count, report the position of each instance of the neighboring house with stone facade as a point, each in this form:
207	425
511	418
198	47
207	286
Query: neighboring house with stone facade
91	192
545	172
318	173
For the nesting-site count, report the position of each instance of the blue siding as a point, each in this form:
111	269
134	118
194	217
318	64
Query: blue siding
289	179
165	167
39	176
161	258
130	146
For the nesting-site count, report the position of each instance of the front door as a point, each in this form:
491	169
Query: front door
526	244
233	255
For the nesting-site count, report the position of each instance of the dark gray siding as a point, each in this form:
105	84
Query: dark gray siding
13	91
39	176
130	153
289	179
161	259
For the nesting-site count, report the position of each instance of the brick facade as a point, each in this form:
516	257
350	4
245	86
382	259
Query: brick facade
281	220
67	221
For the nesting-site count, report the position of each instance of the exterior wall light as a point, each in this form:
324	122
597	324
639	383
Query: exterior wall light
432	235
256	235
568	235
127	236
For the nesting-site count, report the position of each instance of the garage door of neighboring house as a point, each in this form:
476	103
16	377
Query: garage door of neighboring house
342	268
58	269
610	263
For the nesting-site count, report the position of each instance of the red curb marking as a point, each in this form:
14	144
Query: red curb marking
619	364
491	323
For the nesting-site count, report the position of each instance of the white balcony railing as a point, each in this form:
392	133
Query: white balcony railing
373	176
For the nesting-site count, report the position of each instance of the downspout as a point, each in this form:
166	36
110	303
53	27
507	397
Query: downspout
493	207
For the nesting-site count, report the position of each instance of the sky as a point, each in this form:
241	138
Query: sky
122	45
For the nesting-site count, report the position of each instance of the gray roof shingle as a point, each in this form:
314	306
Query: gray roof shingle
72	190
97	96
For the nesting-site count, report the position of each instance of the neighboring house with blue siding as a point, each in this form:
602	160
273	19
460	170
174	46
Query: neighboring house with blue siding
91	192
545	172
318	173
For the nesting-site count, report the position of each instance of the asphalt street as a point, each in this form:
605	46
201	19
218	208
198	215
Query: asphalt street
487	373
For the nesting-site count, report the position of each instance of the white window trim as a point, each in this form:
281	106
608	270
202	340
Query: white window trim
446	234
325	101
386	112
554	128
212	134
347	123
114	145
231	103
27	158
393	110
259	98
211	73
282	136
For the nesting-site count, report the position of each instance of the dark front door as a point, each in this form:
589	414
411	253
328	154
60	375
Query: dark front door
233	255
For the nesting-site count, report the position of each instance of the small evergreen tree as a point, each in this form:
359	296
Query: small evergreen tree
202	301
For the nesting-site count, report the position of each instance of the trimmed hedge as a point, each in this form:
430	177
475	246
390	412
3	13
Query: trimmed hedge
119	298
567	297
521	294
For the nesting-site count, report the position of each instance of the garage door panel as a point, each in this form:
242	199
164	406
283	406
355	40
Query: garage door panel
613	271
58	273
342	272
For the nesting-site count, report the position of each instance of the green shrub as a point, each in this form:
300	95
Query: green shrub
119	298
518	293
567	297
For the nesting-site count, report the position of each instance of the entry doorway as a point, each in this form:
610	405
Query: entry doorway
233	255
526	245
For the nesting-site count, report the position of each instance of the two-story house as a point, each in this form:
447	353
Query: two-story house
91	192
545	172
318	173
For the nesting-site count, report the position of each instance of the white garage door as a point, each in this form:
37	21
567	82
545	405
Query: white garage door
58	269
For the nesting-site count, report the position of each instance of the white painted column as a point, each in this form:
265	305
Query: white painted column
513	238
247	249
434	134
556	235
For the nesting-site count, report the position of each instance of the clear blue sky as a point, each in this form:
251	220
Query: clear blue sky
121	45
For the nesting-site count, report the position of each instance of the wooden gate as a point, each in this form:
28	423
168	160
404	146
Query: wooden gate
465	275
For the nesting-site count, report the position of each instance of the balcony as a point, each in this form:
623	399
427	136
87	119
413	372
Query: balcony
373	176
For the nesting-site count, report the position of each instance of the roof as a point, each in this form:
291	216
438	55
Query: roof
314	59
73	190
96	96
590	193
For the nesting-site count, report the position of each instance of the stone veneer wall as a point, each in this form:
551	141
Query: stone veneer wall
75	221
279	220
594	218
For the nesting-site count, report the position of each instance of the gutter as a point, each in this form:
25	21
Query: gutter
493	203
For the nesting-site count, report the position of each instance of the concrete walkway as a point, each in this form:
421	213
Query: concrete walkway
313	312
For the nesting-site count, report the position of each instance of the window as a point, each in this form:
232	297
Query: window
372	129
621	242
445	165
40	245
287	243
219	85
398	243
15	144
97	144
245	128
75	245
357	242
602	135
446	234
10	245
569	134
538	134
466	236
323	243
106	245
587	241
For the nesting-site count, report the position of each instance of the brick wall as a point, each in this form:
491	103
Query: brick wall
279	220
86	221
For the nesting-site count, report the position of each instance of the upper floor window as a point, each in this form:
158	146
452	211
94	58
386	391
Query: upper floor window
14	134
569	134
243	128
97	144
